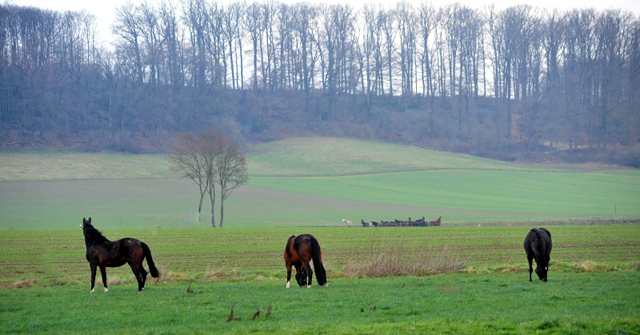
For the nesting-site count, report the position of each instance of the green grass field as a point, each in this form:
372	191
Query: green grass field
311	182
592	288
468	276
450	304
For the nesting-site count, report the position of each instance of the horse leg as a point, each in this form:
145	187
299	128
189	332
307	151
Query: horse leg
93	275
143	274
136	272
288	275
530	259
307	268
103	271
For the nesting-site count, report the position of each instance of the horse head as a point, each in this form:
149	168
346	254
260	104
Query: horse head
542	269
91	234
86	225
301	277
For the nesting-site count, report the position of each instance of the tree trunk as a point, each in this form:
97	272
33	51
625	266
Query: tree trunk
200	205
221	212
213	216
212	196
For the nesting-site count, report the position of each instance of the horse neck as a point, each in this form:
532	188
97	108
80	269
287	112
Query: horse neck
94	237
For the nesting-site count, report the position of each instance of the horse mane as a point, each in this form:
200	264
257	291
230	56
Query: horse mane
94	236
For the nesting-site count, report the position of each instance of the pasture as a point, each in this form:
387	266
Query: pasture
592	288
54	256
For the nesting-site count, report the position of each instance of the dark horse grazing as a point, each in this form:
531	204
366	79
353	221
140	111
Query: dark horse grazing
104	253
537	245
299	252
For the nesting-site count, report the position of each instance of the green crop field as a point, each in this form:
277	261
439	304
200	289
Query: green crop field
312	182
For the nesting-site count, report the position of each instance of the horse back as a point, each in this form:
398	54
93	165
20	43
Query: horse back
303	246
115	253
538	242
290	252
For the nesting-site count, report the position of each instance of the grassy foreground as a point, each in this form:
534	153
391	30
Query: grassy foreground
570	303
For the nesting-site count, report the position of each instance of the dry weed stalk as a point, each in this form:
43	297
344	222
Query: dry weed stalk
256	315
395	259
230	318
189	290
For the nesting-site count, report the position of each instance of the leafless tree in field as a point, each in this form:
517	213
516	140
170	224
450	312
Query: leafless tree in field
185	157
210	158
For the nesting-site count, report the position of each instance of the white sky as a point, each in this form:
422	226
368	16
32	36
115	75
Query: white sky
104	10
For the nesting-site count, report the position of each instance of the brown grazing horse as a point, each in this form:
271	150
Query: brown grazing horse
104	253
537	245
436	222
299	252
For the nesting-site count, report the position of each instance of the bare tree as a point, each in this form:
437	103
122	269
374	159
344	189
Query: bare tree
185	156
210	158
231	167
209	148
129	30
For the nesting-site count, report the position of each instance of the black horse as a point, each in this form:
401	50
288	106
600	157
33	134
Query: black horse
537	245
299	252
104	253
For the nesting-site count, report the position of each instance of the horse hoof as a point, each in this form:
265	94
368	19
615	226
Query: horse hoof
308	286
288	285
106	289
91	291
326	284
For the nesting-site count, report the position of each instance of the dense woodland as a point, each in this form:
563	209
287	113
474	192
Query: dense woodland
520	83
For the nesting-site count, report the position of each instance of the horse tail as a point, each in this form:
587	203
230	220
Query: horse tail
152	266
316	254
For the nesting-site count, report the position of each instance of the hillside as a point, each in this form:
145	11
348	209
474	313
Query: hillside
327	156
304	156
311	181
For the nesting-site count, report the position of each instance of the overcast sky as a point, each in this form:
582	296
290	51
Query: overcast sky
104	10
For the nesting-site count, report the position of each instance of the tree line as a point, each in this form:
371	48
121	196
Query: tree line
454	77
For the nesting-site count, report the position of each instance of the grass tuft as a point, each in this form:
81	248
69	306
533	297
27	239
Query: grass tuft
220	274
511	268
590	267
23	283
388	260
172	277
